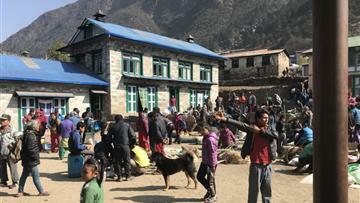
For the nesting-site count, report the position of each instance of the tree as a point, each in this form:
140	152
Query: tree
54	54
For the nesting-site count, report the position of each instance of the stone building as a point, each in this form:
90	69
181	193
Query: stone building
28	83
255	63
143	67
353	65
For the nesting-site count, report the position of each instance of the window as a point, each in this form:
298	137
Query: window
358	60
131	99
97	62
152	100
60	105
250	62
185	70
147	97
132	63
235	63
25	105
198	97
205	73
193	98
266	60
161	67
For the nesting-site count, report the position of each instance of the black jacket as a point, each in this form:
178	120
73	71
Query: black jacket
30	150
270	134
157	130
121	133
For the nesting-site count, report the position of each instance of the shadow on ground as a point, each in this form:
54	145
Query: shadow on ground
290	172
146	188
5	194
60	176
157	198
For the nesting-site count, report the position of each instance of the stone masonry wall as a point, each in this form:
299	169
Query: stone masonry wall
9	100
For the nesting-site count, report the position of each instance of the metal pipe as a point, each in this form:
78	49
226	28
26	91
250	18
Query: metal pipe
330	68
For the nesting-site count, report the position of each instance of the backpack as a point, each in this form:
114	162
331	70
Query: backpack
15	150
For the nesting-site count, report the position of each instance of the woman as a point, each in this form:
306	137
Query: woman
54	126
142	126
30	158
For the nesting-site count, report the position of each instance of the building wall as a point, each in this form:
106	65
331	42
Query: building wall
118	82
112	49
9	100
283	63
278	63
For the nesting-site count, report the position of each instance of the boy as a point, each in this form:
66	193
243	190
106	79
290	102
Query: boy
208	164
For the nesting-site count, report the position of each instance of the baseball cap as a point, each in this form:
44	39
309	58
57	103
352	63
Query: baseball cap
5	117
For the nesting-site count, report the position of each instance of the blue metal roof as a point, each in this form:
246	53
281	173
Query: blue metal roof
154	39
40	70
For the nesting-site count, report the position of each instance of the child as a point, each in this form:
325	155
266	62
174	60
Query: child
227	138
92	191
208	164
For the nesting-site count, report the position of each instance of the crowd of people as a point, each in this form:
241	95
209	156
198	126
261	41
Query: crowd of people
120	151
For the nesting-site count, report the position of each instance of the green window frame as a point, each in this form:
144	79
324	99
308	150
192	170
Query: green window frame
161	67
131	99
185	70
205	73
132	63
152	98
26	103
193	99
60	105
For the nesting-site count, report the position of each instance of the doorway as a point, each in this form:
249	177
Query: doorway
174	91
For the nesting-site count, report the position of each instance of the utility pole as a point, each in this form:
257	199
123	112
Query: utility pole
330	21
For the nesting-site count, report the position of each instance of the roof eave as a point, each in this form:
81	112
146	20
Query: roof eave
220	58
105	84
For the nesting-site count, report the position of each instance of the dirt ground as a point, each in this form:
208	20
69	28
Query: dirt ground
231	183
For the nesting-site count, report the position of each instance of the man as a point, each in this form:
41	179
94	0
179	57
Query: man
218	103
8	137
58	115
30	158
88	116
66	127
75	118
157	133
305	158
122	136
75	145
354	121
28	117
173	104
307	116
260	144
305	136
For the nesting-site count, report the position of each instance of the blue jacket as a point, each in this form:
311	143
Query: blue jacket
75	146
355	113
306	136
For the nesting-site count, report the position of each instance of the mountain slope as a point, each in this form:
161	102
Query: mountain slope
216	24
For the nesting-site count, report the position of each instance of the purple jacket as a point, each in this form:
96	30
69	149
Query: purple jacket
226	138
209	149
66	127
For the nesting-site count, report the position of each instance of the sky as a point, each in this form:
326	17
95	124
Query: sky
17	14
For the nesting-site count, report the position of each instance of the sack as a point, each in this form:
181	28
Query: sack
354	171
15	152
